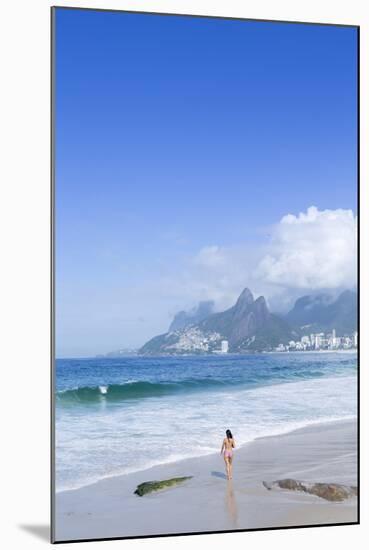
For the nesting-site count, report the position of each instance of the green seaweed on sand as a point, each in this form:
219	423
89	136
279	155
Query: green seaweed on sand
150	486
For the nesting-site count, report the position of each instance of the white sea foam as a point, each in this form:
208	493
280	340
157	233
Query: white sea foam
156	431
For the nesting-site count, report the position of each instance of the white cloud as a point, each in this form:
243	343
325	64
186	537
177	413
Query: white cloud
308	252
313	250
211	257
214	273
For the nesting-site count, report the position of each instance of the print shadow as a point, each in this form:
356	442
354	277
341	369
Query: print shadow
40	531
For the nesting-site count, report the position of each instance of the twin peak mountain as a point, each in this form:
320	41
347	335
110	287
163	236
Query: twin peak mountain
247	326
250	326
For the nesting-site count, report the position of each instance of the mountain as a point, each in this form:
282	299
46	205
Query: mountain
247	326
240	321
322	313
185	318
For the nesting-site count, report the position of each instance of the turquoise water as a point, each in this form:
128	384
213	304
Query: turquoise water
115	416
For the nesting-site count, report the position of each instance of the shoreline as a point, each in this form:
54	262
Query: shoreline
288	431
320	452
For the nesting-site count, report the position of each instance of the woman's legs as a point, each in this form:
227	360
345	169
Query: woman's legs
230	467
226	460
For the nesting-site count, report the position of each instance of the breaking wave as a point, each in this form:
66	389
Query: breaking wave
133	390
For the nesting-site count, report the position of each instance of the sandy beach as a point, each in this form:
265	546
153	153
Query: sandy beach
208	502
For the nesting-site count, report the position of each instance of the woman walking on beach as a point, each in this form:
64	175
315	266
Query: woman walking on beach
227	450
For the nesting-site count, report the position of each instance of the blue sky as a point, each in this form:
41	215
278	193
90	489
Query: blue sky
179	135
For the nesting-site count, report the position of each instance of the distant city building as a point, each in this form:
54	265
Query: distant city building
224	346
336	341
355	339
281	347
321	341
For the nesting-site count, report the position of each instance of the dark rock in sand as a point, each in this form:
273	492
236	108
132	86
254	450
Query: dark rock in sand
333	492
150	486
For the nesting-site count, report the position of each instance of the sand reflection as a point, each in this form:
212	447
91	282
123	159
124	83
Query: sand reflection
231	504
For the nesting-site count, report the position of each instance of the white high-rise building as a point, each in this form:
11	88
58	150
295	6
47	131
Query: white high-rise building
224	346
334	339
318	340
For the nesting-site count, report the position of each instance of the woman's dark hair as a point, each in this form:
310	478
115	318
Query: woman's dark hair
229	434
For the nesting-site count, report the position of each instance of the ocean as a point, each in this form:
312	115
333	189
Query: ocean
116	416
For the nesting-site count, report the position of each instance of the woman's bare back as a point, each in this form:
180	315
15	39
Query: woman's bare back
228	443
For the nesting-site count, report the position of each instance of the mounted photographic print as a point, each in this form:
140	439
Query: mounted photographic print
205	186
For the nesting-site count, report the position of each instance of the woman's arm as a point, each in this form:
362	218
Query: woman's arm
221	450
233	443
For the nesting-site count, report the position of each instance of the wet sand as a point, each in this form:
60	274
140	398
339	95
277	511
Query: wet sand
208	502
